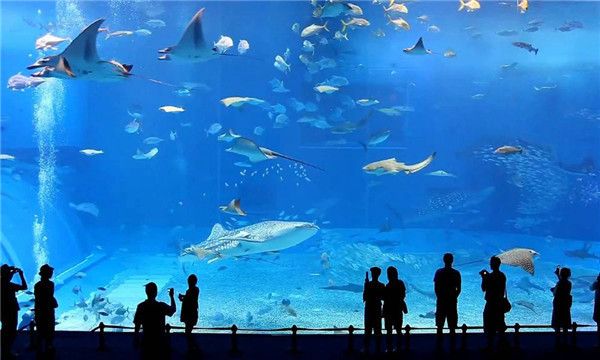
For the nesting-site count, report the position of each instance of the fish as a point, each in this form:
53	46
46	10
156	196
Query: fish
417	49
526	304
335	80
281	120
449	53
49	41
103	313
377	138
471	5
224	43
277	86
132	127
152	140
262	237
526	46
532	29
367	102
296	27
423	18
519	257
192	47
255	153
510	66
507	33
428	315
91	152
86	207
355	288
101	288
583	253
526	285
399	8
172	135
477	96
242	164
441	173
228	136
535	22
171	109
234	208
391	166
313	29
281	65
213	129
307	46
80	60
508	149
119	33
243	46
331	10
142	32
340	36
21	82
433	29
145	156
237	101
327	89
546	87
523	6
156	23
76	289
354	23
379	33
354	9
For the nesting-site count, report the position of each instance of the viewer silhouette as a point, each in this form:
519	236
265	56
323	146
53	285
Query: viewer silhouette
447	285
150	316
9	307
372	296
45	303
496	303
561	304
189	309
394	306
596	287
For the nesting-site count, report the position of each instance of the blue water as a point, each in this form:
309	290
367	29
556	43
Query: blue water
490	94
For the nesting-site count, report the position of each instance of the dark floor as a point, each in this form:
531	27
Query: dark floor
83	345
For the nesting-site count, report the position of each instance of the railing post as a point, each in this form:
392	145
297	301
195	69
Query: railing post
32	335
517	335
574	333
234	342
168	336
294	339
463	338
101	339
350	339
407	329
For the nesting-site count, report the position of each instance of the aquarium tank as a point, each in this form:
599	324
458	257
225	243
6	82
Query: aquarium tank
279	149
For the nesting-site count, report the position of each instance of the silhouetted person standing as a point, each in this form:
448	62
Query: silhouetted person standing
494	286
189	309
45	305
9	305
394	306
561	304
447	285
372	297
150	316
596	288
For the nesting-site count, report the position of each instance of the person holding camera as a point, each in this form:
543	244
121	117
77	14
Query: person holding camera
10	306
496	303
150	316
561	304
45	307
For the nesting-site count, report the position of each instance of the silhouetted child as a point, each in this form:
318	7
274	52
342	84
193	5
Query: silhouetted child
372	297
561	304
9	313
447	285
596	288
150	317
45	305
494	286
189	309
394	307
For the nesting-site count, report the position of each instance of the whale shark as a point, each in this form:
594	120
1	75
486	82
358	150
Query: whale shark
192	47
254	153
80	60
262	237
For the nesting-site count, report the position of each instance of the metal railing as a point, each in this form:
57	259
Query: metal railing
349	332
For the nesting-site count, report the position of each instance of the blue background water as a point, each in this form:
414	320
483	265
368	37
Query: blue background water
150	209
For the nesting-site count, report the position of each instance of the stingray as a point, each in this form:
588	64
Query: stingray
255	153
417	49
355	288
80	60
192	47
519	257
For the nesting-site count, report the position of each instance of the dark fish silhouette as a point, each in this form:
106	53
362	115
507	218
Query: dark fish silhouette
526	46
355	288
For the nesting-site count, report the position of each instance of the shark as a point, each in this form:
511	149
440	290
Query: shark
262	237
80	60
254	153
355	288
192	47
392	166
583	253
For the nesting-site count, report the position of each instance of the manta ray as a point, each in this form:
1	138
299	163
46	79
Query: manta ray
262	237
254	153
80	60
192	47
417	49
